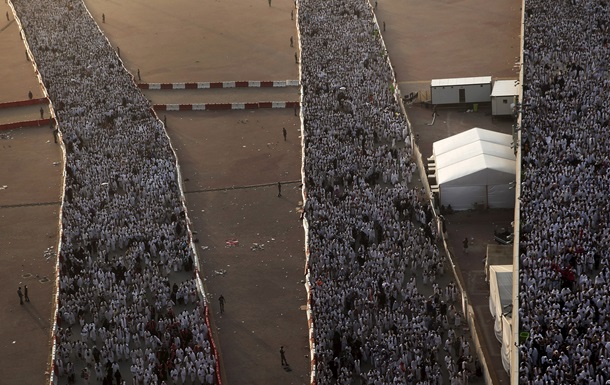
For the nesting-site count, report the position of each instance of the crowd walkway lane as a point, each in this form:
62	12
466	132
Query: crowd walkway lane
421	38
451	121
223	41
222	95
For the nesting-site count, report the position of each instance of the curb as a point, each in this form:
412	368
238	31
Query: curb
223	106
229	84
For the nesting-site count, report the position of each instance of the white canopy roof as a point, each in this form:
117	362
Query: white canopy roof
505	88
501	287
476	157
460	81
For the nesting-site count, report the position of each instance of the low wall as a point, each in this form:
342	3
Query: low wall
27	123
223	106
24	103
229	84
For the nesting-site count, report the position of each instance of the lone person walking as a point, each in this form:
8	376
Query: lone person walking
20	294
221	301
465	244
291	42
283	356
279	189
41	113
25	292
284	132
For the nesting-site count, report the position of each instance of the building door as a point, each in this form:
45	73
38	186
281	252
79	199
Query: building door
462	95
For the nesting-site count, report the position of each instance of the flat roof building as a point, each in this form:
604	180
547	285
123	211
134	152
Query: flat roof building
461	90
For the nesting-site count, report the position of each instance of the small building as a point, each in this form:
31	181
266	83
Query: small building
503	97
461	90
475	168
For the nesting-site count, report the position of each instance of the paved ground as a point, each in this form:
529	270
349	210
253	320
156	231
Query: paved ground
28	226
29	209
432	39
16	72
216	41
479	226
185	40
233	161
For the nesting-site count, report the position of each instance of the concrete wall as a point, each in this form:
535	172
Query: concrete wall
501	105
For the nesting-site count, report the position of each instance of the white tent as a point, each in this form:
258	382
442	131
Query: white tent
475	167
500	301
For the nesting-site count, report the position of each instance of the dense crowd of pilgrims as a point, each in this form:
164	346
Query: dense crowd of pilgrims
129	309
565	208
371	232
128	302
128	305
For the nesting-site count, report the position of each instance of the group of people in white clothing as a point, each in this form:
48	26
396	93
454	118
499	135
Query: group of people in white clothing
564	248
382	311
129	308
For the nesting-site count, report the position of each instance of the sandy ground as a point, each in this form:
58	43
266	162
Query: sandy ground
222	154
16	73
432	39
29	211
258	284
209	40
